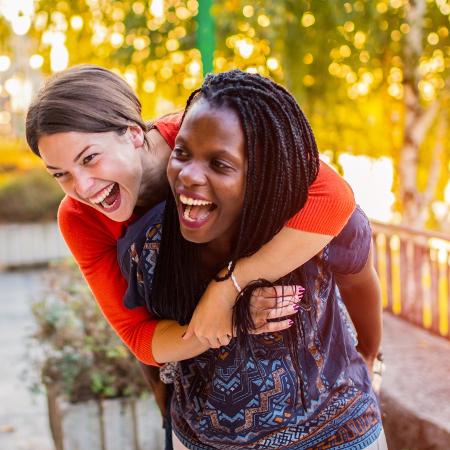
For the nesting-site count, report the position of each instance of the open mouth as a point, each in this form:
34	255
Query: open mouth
108	197
195	211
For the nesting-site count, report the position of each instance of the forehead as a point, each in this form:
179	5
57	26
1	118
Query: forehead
211	122
59	149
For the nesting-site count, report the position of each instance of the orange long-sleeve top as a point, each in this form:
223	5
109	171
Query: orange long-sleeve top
92	239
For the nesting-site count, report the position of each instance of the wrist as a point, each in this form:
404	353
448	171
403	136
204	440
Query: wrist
226	289
234	279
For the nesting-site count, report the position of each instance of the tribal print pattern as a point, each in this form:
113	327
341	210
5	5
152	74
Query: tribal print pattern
227	402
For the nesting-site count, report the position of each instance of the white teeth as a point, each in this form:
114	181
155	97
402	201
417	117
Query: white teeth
193	201
102	195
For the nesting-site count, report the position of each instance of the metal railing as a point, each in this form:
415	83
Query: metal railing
414	271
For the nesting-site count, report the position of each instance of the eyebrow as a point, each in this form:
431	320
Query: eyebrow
217	152
75	159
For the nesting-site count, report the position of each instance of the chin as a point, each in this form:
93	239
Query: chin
194	237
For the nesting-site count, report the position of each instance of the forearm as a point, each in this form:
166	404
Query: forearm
288	249
168	345
363	302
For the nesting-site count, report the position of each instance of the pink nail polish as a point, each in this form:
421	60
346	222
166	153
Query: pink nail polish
291	322
296	307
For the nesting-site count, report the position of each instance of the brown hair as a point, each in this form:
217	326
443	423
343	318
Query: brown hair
84	98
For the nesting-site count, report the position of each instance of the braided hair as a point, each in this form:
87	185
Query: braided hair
283	161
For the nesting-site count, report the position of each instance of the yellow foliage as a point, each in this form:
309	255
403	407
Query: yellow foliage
15	156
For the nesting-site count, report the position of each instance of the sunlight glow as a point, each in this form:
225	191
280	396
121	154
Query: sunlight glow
157	8
59	57
374	196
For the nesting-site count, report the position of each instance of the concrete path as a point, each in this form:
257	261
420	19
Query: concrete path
23	417
416	388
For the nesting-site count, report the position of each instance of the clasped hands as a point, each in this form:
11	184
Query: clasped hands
211	322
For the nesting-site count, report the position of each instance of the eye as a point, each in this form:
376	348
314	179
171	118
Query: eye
221	165
87	159
179	153
58	175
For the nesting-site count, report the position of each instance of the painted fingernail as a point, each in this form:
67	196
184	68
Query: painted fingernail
290	322
296	307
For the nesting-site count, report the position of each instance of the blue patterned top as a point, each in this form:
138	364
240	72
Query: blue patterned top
223	401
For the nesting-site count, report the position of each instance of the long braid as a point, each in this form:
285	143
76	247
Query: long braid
282	161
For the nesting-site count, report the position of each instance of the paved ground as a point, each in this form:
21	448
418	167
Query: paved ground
416	385
23	417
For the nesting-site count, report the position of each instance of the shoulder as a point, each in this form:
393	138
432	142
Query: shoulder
74	215
142	229
349	250
329	205
87	232
169	126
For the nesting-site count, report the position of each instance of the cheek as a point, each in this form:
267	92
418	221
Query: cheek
172	171
240	191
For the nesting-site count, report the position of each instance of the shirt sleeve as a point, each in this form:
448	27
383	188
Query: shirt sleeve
94	247
330	204
168	126
349	250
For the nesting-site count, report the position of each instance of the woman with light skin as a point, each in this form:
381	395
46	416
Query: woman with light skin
86	125
304	387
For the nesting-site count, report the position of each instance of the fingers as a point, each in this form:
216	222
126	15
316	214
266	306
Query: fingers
263	309
292	290
288	310
219	341
272	327
276	297
188	333
213	341
224	340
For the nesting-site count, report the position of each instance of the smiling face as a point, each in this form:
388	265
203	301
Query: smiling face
206	172
102	170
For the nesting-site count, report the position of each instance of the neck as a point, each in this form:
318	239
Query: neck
215	255
154	186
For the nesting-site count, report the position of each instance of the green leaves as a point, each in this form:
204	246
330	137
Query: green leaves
78	350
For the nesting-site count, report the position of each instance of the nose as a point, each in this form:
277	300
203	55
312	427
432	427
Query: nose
192	174
83	185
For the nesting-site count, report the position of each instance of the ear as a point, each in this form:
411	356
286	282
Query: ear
136	135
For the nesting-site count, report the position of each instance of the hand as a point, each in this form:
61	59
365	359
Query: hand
160	393
369	360
274	303
211	322
376	370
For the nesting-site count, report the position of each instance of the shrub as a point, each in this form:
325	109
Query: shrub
28	197
79	353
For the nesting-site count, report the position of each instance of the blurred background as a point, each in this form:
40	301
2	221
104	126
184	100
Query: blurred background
372	76
374	80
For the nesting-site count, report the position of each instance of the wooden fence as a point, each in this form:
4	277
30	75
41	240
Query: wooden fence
414	270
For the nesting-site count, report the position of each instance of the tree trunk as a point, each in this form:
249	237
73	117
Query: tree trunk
418	121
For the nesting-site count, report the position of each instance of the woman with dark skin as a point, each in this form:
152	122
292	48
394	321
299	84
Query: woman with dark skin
304	387
86	126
